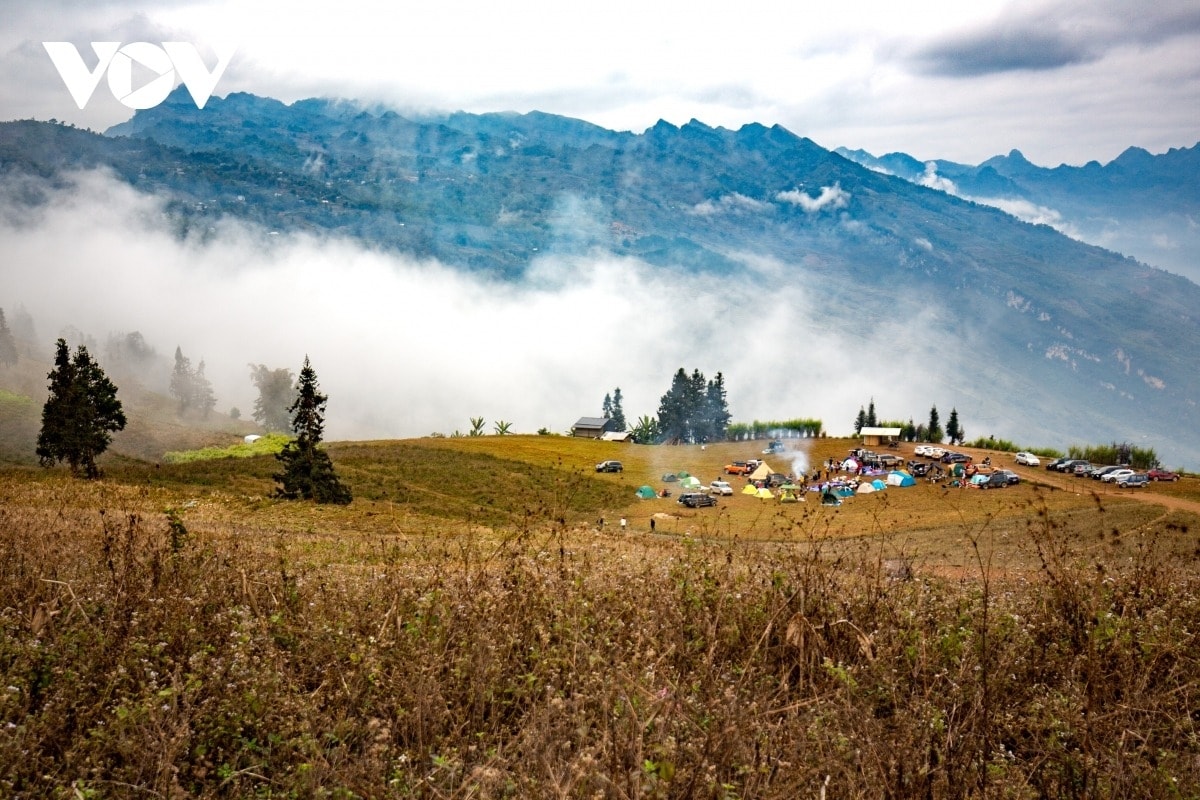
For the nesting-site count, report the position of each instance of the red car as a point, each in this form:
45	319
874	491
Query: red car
1161	475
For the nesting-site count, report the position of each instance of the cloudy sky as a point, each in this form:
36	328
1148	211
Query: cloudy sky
1064	81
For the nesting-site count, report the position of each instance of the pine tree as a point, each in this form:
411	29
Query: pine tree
933	433
953	430
8	346
872	421
673	411
617	414
860	421
181	380
717	408
202	391
307	469
81	413
606	408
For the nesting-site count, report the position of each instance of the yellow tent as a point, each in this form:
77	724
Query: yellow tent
763	471
764	494
749	489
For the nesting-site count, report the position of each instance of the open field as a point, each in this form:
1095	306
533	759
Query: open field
467	628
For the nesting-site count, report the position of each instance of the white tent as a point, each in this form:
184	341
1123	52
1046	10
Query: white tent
865	488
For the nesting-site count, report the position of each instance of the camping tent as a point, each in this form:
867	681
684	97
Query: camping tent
900	478
683	474
749	489
850	465
762	472
830	499
789	493
979	479
691	483
646	493
878	484
865	488
764	494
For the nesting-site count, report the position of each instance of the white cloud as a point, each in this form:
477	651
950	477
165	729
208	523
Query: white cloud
829	197
729	203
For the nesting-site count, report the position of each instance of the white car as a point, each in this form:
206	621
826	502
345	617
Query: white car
720	487
921	450
1117	475
1028	459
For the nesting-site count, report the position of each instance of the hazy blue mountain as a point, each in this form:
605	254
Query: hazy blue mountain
1144	205
1052	340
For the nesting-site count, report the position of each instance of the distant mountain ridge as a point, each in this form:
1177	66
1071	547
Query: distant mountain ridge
1141	204
1050	339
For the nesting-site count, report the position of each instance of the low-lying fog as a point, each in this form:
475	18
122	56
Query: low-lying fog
406	348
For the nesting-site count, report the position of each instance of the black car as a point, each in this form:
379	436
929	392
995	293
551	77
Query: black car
1056	463
1012	477
610	466
697	499
997	480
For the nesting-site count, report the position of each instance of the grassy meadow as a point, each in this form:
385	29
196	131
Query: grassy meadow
468	628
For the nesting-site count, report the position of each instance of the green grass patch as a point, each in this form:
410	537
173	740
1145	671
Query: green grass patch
270	444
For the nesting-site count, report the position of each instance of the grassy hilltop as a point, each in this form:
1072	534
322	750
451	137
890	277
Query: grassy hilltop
467	628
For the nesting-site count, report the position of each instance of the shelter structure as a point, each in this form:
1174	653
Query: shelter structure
879	437
591	427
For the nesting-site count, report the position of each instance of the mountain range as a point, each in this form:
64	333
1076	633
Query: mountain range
1039	337
1143	205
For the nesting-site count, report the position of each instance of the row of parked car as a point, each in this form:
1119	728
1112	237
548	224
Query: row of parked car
1120	474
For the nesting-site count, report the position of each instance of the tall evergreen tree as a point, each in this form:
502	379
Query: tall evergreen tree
202	391
617	413
872	420
673	411
181	380
606	408
860	421
307	469
717	408
81	413
8	345
933	432
271	406
953	430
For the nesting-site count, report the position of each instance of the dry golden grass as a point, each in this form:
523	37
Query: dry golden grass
172	631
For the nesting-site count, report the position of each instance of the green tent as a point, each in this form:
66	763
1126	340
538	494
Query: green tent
647	493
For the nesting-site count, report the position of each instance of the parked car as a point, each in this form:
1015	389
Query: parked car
1028	459
1079	468
610	466
1012	477
1056	463
1161	475
1099	472
1117	474
774	447
922	450
1135	481
918	469
997	480
738	468
1067	465
720	487
697	499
